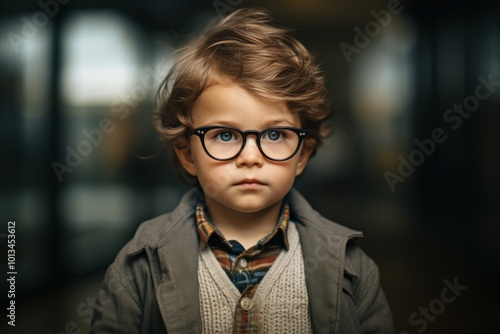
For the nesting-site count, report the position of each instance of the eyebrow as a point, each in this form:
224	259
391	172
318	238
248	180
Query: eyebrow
271	123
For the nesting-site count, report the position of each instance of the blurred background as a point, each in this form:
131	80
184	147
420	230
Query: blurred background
77	85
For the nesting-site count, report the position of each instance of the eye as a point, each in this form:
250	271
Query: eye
273	135
225	136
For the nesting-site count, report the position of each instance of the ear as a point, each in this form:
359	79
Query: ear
305	153
186	159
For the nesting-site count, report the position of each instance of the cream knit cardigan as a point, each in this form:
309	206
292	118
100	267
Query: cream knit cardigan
280	304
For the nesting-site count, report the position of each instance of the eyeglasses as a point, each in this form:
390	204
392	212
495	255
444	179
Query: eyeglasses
225	143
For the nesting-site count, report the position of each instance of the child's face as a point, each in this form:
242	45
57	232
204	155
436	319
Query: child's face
249	182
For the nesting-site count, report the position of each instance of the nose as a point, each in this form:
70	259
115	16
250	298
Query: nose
250	155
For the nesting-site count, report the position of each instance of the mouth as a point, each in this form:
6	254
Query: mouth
250	183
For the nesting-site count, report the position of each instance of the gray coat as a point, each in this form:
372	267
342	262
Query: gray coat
152	286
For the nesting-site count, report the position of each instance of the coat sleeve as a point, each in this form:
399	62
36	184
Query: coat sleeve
371	306
117	307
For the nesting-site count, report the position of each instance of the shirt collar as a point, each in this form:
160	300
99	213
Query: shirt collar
206	229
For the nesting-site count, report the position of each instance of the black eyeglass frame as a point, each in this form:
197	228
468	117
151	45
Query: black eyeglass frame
201	131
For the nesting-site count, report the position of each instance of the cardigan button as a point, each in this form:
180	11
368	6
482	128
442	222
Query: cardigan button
243	263
246	303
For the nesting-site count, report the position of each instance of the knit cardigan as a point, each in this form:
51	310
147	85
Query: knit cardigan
280	303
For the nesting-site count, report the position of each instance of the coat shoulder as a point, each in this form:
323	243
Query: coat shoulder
152	231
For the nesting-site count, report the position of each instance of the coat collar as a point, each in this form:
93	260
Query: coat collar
177	247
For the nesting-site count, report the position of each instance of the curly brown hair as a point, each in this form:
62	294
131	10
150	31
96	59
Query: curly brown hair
249	49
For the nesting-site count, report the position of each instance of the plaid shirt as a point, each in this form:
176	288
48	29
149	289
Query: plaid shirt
245	268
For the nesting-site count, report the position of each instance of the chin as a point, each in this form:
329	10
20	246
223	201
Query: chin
246	208
250	205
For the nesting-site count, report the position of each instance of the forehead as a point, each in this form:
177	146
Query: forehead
231	104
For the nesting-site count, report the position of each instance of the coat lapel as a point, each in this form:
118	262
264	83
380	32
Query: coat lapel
177	292
323	268
323	246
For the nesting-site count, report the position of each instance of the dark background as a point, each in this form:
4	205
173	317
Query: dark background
64	70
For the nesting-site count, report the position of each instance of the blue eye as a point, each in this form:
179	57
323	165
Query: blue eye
274	135
225	136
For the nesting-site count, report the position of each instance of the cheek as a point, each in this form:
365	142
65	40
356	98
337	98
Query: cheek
285	172
213	176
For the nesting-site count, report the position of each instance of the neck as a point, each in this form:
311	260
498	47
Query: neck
245	227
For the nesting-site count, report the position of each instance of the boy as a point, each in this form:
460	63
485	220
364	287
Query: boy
243	110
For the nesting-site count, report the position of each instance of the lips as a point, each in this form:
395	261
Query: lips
250	182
